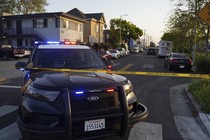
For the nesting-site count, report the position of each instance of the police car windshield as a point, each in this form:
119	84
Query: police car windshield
67	58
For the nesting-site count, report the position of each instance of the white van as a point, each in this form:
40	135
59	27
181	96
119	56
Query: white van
165	48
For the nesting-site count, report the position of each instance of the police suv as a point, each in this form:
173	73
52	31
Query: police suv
69	93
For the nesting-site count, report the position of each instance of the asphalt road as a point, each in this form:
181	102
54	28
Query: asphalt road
169	114
154	91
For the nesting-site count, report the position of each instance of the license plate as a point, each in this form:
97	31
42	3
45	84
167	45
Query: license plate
182	67
92	125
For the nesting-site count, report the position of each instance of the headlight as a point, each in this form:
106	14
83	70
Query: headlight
42	94
128	87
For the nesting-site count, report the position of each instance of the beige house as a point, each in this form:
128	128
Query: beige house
93	29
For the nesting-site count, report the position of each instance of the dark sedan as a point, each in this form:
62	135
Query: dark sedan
152	51
178	61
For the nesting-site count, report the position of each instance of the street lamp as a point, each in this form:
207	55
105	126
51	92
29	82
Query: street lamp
120	25
144	38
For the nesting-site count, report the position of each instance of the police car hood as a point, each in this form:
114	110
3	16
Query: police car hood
49	80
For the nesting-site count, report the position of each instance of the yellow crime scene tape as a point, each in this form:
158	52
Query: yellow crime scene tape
207	76
122	71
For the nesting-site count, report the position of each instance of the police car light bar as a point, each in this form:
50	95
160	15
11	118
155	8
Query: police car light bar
55	42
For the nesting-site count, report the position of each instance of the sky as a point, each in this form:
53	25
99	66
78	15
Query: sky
149	15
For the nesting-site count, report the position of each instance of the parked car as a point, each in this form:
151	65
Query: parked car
7	52
152	51
122	51
105	54
27	52
141	49
135	49
115	53
178	61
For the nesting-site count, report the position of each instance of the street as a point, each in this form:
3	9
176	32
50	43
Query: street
169	115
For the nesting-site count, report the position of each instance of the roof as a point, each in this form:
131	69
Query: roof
96	16
76	12
42	15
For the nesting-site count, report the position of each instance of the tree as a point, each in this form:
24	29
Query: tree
180	26
7	6
23	6
128	30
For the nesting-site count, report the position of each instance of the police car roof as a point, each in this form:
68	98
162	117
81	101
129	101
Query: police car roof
58	46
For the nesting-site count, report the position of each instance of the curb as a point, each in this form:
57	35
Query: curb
201	117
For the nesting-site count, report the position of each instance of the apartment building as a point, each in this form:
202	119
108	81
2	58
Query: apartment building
93	28
23	30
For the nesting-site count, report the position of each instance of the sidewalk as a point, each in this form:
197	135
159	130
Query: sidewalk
202	118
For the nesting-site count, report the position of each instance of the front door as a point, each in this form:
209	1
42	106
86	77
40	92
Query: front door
19	27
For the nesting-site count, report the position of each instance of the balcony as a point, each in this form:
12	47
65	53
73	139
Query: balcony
23	31
26	32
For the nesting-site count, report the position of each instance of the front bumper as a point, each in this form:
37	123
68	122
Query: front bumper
31	132
66	125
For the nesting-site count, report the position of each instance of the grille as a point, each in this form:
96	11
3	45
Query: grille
107	102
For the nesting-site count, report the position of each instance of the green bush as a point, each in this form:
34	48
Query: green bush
201	92
202	64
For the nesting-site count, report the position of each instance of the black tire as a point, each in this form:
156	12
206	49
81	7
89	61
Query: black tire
16	58
188	70
168	66
164	63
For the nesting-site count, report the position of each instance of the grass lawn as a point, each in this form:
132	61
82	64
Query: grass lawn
200	89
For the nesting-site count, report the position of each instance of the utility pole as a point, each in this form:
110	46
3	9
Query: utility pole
144	38
120	25
195	28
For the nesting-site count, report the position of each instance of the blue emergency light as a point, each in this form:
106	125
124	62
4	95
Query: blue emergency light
46	42
79	92
53	42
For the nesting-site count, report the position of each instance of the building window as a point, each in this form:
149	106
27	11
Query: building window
40	23
26	42
73	26
19	42
66	24
79	27
102	29
8	25
97	28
